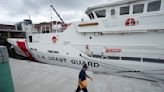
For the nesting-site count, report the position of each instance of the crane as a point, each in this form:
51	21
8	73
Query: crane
56	13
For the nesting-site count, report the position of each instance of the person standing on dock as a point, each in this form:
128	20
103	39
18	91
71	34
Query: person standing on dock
82	83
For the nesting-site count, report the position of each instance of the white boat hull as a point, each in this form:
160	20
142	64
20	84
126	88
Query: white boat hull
16	47
142	70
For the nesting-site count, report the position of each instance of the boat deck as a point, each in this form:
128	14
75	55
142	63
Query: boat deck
36	77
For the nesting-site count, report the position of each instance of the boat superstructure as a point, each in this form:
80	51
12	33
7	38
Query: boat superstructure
26	27
123	38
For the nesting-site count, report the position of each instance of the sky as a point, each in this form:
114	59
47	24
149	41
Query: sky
12	11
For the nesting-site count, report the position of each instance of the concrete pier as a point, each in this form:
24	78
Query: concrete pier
36	77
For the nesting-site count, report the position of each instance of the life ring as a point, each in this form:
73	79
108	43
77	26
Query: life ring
54	39
130	22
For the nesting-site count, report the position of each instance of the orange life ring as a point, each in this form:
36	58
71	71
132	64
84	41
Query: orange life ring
130	22
54	39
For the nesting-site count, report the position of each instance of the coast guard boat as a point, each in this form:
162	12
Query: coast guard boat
123	38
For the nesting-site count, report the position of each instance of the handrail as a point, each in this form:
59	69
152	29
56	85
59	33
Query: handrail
122	69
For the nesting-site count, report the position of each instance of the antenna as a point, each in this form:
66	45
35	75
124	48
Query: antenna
56	13
29	16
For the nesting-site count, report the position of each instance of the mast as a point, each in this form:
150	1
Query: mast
56	13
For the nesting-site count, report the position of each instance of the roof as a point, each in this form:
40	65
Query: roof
6	26
10	30
111	4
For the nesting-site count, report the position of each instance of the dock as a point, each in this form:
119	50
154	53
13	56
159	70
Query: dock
31	76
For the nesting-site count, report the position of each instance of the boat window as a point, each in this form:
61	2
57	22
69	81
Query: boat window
124	10
131	58
153	60
154	6
104	57
18	26
100	14
18	35
97	56
30	38
113	57
50	51
112	11
91	16
138	8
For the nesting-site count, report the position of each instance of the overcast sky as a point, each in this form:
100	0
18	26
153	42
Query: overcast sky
12	11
